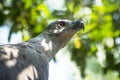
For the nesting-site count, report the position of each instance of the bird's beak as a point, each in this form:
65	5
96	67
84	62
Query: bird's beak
79	24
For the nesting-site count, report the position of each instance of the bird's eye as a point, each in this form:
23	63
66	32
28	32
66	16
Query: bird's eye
60	24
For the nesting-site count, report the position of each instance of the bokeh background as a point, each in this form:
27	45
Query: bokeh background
92	54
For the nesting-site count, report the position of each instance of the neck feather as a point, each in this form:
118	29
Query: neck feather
47	45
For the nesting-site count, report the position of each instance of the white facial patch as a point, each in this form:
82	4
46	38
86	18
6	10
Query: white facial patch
58	30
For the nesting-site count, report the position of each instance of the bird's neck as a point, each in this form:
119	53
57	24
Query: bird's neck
47	45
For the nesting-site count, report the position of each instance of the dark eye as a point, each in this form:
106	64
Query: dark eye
60	24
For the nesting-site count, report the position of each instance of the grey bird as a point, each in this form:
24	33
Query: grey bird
29	60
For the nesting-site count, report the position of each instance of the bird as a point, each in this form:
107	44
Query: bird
29	60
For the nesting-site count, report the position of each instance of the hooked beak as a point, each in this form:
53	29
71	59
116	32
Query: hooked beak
79	24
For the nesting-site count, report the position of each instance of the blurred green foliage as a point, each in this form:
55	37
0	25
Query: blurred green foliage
96	51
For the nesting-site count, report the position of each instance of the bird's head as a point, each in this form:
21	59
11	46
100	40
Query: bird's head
63	30
64	27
